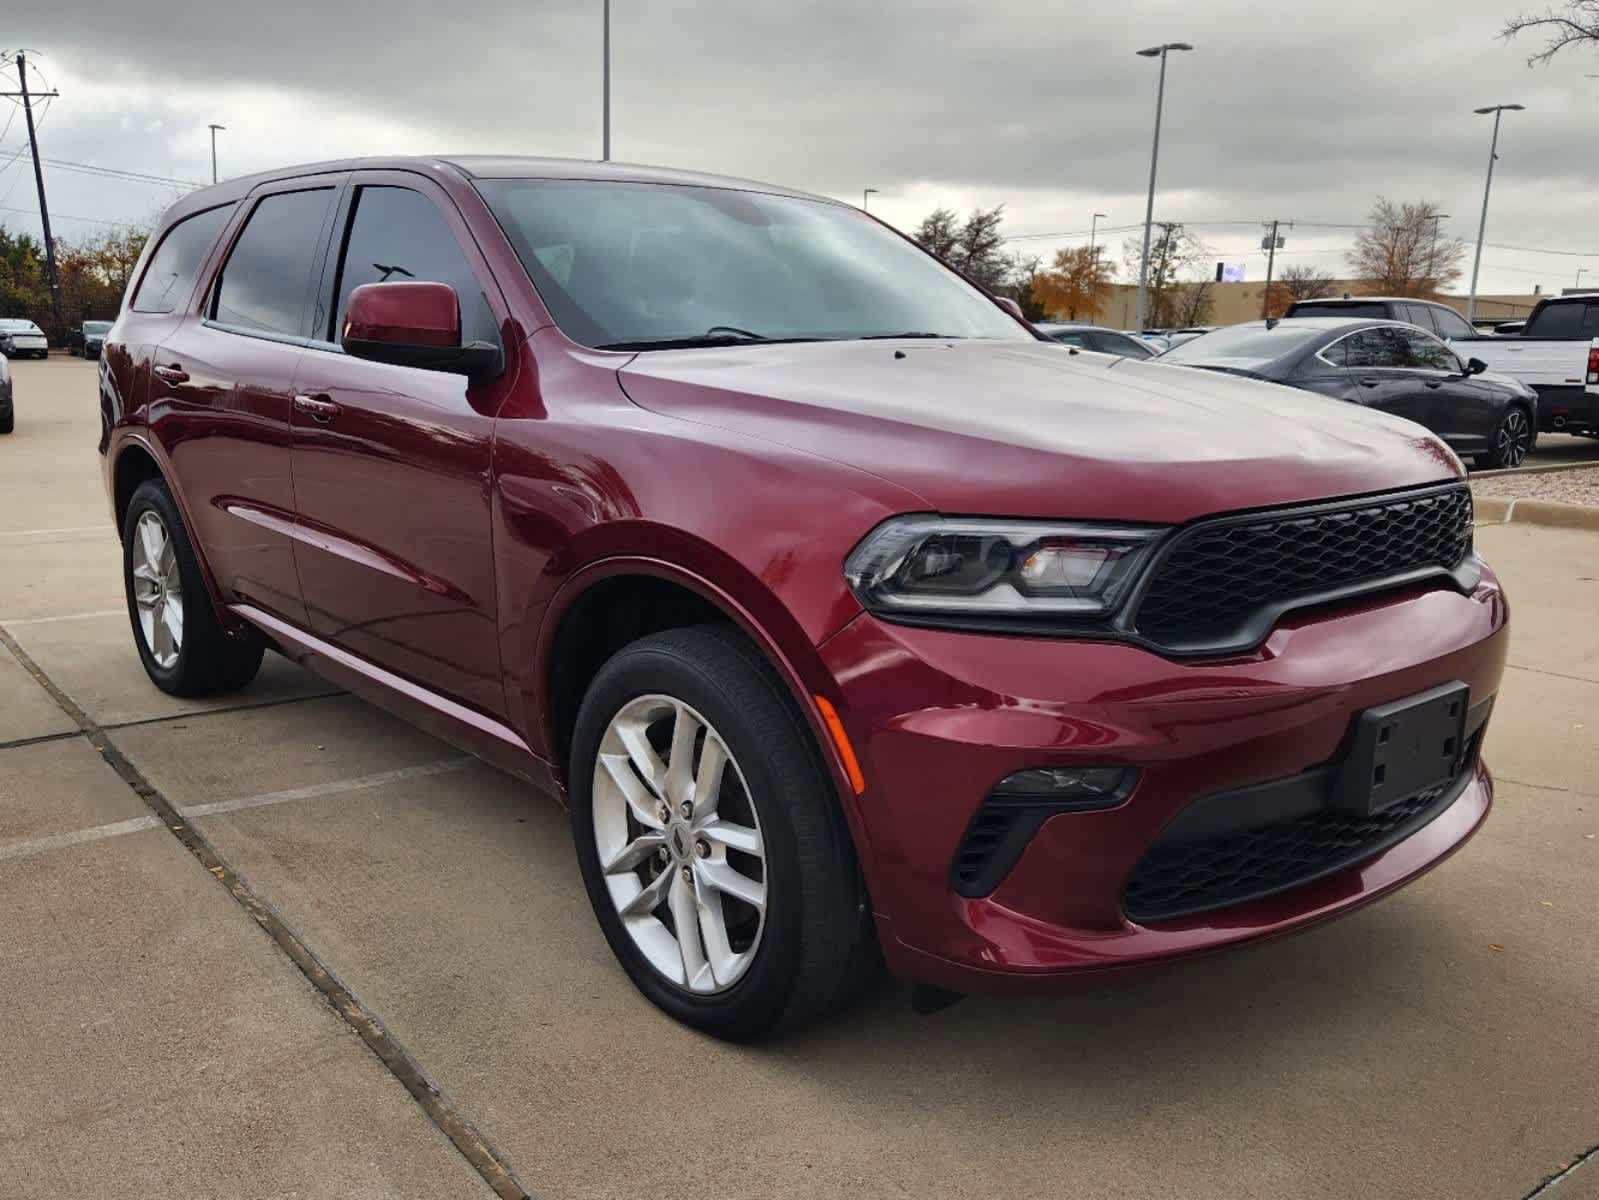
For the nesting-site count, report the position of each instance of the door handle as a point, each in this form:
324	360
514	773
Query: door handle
318	408
1434	383
170	373
1370	382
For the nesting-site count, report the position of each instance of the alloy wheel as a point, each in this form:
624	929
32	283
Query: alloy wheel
1514	436
679	842
158	590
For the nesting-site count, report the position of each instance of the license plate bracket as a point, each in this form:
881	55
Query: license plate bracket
1403	748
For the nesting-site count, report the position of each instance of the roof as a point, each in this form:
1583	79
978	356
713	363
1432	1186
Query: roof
1373	300
478	166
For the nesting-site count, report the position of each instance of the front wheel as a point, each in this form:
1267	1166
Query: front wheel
183	646
712	846
1512	438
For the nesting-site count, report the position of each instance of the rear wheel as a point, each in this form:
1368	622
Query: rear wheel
1512	438
181	642
713	850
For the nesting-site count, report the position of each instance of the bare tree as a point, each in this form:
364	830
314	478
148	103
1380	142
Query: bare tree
1574	23
974	247
1400	253
1173	252
1192	303
1298	283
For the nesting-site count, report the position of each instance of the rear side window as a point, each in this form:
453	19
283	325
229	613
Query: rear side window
397	235
1418	315
1377	348
1557	321
169	280
1451	324
266	281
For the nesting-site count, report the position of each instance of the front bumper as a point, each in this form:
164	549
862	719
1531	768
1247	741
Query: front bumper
938	718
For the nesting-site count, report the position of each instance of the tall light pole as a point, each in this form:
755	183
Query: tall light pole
1093	238
213	129
1498	111
1581	271
866	196
605	70
1159	52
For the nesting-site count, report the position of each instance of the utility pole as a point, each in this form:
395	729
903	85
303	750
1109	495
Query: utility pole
605	153
38	178
1269	245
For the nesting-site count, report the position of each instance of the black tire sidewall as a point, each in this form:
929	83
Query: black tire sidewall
729	695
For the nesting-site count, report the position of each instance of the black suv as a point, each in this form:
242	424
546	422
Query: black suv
1425	314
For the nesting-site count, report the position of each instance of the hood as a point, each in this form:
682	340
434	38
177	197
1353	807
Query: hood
1030	429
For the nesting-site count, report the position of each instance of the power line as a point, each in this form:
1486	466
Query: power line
119	173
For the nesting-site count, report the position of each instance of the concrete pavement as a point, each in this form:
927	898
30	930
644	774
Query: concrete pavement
1439	1044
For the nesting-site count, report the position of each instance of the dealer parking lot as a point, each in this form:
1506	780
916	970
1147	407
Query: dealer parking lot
161	1040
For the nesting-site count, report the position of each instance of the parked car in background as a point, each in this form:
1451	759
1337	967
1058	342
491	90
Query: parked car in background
21	338
1395	368
851	618
1092	337
1149	337
1424	314
1177	337
8	411
87	340
1557	355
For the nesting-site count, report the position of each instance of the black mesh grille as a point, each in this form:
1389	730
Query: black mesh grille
1224	573
1180	880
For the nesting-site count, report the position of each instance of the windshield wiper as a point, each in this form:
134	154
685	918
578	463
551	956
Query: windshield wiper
716	335
884	337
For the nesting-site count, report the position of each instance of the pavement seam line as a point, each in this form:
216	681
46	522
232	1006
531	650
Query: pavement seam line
1550	1182
490	1166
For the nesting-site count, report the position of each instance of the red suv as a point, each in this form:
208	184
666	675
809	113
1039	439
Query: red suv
850	618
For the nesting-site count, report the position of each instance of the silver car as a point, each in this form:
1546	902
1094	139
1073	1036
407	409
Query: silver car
21	338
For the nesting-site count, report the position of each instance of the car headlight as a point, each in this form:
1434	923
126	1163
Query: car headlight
976	567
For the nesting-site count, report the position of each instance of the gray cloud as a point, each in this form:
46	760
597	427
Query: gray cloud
1301	111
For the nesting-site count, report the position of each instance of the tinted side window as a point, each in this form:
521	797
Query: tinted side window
1556	321
1428	353
1377	348
1358	308
1418	315
1590	321
1451	324
1115	343
1071	338
169	280
397	234
266	281
1337	353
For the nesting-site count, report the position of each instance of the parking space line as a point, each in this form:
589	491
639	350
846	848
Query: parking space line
334	788
83	616
22	533
484	1158
95	833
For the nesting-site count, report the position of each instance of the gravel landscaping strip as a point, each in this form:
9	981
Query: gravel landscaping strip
1580	486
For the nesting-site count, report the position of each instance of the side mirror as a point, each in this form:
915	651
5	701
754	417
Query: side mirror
1010	306
1475	366
414	325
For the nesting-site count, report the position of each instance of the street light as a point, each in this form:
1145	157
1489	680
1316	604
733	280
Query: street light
1093	237
1581	271
214	129
866	195
1159	52
1432	252
605	70
1498	111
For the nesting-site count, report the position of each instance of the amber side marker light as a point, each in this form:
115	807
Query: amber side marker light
835	729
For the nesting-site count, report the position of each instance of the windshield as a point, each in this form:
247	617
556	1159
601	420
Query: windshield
1243	344
97	327
631	265
1359	308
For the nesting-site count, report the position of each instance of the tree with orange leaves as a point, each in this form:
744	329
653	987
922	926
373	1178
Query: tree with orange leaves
1077	285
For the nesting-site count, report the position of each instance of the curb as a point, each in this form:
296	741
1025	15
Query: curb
1539	469
1500	510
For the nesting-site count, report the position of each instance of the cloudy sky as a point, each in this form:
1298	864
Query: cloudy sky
1304	111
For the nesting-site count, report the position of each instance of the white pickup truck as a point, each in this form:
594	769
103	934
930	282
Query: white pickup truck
1557	355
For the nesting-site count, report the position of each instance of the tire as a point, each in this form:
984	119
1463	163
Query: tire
808	951
1512	439
200	658
8	422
